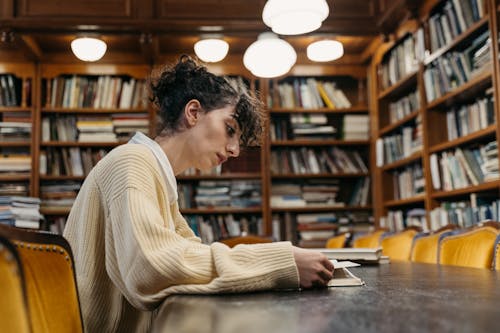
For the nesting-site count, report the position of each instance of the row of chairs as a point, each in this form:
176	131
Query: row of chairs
478	246
37	281
39	292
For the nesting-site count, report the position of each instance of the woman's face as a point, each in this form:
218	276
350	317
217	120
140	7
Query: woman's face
216	137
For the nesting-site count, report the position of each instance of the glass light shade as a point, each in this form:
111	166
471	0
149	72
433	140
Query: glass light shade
88	49
269	56
325	50
211	49
294	17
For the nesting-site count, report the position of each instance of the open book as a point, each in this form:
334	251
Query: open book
342	277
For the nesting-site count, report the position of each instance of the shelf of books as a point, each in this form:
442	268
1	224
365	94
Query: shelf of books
437	137
399	134
462	150
85	111
319	153
17	117
227	201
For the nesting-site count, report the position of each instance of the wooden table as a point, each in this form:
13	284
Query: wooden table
398	297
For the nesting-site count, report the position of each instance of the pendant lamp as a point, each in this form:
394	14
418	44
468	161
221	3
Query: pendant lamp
294	17
211	49
88	48
269	56
325	50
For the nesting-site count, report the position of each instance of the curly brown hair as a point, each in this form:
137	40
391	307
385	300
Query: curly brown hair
174	86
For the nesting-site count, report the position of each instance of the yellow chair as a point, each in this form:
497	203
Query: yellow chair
250	239
496	260
13	309
371	240
473	248
51	290
425	246
398	246
338	241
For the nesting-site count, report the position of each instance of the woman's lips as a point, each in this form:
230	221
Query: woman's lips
221	158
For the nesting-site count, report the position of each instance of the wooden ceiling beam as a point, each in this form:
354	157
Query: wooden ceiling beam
31	47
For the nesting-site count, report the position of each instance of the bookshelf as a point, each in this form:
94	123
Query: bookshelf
17	132
456	86
318	175
85	110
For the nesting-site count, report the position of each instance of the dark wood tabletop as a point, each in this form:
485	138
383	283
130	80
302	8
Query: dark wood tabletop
397	297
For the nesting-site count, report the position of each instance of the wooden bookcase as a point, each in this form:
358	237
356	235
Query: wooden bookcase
289	152
73	98
254	164
19	95
445	90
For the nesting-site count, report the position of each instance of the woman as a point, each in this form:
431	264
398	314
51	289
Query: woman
132	247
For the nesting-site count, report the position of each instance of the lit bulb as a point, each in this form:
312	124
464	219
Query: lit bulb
88	49
269	56
325	50
211	49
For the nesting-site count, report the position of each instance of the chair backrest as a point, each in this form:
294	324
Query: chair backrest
496	255
371	240
489	223
250	239
425	247
472	248
338	241
51	288
398	246
14	315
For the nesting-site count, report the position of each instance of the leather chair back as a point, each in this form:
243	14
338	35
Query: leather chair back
398	246
496	255
338	241
425	247
250	239
14	315
371	240
472	248
51	288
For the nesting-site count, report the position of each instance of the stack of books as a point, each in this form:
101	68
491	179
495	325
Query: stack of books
95	129
356	127
126	124
315	229
22	212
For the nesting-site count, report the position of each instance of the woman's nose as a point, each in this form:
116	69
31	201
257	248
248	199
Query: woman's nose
233	147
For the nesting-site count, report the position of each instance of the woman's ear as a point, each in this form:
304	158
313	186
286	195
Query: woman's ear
192	112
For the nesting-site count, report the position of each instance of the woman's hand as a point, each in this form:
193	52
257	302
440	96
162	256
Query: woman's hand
315	270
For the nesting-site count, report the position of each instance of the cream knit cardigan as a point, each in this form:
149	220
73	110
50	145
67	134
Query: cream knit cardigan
128	260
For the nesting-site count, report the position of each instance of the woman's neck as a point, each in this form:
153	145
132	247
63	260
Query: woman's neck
177	150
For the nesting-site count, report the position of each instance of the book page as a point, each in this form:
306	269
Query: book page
342	277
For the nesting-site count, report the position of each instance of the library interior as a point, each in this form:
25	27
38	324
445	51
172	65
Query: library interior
369	199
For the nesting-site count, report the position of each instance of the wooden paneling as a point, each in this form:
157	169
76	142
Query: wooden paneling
210	9
75	8
6	8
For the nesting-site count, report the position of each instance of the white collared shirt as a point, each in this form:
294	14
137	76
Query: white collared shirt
161	157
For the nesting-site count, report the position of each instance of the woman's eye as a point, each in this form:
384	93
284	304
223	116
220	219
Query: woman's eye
230	130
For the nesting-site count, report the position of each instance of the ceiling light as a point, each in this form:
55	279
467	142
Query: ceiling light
325	50
211	49
269	56
294	17
88	48
211	28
